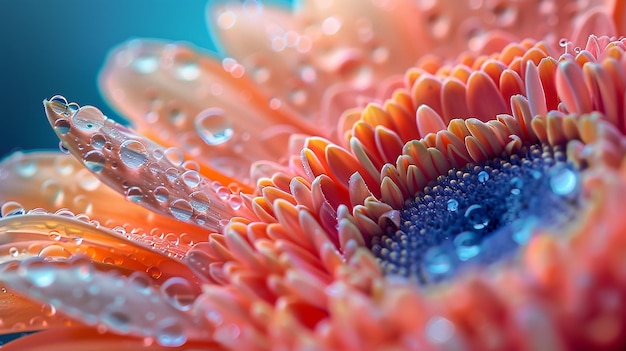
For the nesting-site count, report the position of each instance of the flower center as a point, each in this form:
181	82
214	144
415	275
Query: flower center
480	214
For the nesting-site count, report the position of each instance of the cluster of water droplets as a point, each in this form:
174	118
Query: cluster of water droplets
480	214
159	179
110	301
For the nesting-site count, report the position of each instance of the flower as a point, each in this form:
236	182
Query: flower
401	223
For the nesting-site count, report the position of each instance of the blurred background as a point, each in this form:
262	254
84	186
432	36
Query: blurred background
58	47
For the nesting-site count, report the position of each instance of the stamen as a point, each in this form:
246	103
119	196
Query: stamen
480	214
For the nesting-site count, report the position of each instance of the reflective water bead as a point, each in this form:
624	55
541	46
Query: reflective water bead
133	153
191	178
188	70
134	194
200	201
213	127
477	216
146	64
179	293
181	209
169	333
483	176
436	261
174	155
98	140
161	193
467	245
563	181
453	205
88	118
62	126
94	160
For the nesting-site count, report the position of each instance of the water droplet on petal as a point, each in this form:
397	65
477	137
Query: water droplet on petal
98	140
133	153
213	127
14	252
134	194
200	201
161	193
563	181
170	333
62	126
181	210
179	293
94	160
188	70
88	118
191	178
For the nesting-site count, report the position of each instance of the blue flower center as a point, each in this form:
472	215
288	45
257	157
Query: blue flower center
480	214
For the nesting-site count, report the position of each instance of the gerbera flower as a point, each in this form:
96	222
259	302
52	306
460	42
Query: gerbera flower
300	195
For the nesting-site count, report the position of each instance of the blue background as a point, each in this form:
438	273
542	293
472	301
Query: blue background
58	47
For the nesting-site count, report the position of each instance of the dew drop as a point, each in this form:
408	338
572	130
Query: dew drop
436	261
62	126
191	178
477	216
200	201
453	205
133	153
54	252
467	245
213	127
11	208
179	293
59	105
14	252
174	156
161	193
154	272
98	140
89	119
169	333
134	194
563	181
94	160
483	176
181	210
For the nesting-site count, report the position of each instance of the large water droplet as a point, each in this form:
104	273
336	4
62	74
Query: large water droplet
436	261
170	333
88	118
161	193
62	126
453	205
179	293
134	194
133	153
191	178
477	216
467	245
483	176
181	210
94	160
200	201
213	127
98	140
563	181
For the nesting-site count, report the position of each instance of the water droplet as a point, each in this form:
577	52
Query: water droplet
467	245
161	193
477	216
483	176
146	64
98	140
170	333
140	282
439	330
154	272
213	127
11	208
62	126
133	153
200	201
48	310
235	202
331	25
187	70
563	181
134	194
179	293
191	178
89	119
436	261
453	205
181	210
94	160
14	252
55	252
174	155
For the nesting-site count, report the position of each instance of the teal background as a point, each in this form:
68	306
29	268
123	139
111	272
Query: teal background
58	47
